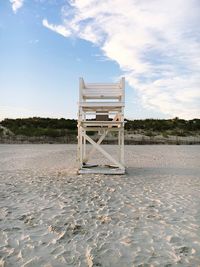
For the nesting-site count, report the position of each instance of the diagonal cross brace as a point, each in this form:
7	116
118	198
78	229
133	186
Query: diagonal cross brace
106	154
85	160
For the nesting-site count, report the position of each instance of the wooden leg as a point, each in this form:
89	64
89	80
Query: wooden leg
119	145
122	146
81	147
84	147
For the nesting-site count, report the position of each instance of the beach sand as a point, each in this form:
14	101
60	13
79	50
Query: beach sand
50	216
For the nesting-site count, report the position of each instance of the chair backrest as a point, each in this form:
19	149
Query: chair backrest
102	91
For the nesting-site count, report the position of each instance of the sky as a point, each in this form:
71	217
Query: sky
46	45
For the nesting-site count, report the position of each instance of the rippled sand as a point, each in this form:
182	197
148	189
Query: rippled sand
49	216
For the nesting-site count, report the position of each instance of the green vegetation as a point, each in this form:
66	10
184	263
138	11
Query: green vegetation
174	126
41	127
47	127
1	131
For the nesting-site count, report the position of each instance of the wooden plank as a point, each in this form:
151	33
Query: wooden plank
81	85
106	122
101	104
102	85
101	97
100	109
100	113
102	170
96	129
122	84
79	147
98	90
122	146
102	123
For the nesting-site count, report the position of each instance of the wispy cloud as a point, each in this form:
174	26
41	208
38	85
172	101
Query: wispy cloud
156	44
16	4
57	28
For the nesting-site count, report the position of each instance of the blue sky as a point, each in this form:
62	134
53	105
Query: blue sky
45	46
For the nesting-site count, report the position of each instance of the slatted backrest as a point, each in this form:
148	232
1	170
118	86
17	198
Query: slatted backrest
101	91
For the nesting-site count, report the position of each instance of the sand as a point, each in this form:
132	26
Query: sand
50	216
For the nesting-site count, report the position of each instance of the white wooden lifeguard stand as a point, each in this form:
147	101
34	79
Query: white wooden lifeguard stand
105	102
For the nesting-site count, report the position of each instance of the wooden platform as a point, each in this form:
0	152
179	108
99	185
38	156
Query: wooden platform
101	170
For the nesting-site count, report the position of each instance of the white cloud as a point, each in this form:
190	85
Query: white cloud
56	28
156	44
16	4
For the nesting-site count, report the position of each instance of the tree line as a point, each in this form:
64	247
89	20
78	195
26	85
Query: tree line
51	127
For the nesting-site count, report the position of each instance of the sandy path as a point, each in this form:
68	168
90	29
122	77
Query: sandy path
49	216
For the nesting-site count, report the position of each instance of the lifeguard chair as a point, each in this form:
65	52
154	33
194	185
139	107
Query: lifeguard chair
101	110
